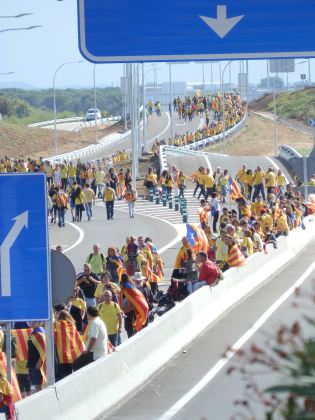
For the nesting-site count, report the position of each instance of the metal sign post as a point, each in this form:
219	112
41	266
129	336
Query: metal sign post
8	349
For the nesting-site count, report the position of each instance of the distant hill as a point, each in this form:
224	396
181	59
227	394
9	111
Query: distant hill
18	85
298	105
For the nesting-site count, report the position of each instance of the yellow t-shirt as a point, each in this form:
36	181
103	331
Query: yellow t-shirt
209	181
109	194
109	315
100	289
259	177
280	180
89	195
241	175
79	303
72	172
270	179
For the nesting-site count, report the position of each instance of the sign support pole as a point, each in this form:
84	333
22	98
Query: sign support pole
8	349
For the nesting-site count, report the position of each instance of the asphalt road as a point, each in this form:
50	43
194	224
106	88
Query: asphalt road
194	385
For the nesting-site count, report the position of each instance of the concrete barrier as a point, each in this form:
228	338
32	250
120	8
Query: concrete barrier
99	387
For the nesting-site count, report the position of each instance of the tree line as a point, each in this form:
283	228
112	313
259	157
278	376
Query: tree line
21	103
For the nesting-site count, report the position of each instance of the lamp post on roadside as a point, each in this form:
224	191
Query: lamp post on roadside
223	103
95	115
54	94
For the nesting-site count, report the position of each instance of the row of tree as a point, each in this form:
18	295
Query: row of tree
19	102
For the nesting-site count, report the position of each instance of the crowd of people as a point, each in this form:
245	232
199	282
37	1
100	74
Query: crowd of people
207	107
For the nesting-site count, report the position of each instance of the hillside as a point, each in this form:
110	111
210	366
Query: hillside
298	105
22	142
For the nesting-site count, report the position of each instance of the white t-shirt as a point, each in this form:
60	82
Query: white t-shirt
98	330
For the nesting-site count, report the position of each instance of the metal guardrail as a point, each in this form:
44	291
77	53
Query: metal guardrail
89	150
287	152
194	148
69	120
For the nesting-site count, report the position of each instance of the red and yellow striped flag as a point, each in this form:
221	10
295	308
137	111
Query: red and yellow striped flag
21	337
68	342
39	341
137	299
16	395
234	189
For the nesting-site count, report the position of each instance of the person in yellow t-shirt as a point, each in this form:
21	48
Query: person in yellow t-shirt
110	314
72	173
241	178
270	180
109	198
106	284
280	181
64	176
209	183
259	176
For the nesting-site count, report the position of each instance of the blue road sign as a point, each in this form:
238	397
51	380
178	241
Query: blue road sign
312	122
170	30
24	274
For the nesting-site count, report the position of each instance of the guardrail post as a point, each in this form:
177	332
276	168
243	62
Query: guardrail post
185	212
170	200
157	196
176	203
151	194
164	197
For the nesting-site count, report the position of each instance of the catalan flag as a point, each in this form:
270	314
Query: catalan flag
21	337
16	395
6	391
196	237
68	342
139	302
234	189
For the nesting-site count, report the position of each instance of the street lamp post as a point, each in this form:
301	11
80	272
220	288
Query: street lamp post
144	137
55	108
95	115
171	94
223	104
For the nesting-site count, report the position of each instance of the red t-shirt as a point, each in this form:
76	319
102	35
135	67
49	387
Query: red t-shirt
208	272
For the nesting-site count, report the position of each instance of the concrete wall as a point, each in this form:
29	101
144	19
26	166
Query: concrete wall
98	387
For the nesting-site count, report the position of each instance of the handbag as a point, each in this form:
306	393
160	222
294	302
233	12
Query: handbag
82	207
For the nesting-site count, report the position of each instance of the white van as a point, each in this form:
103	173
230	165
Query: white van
90	114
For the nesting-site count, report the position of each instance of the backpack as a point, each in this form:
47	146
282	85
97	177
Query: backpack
91	255
13	345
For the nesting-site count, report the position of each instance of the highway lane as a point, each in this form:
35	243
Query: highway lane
108	233
194	385
190	164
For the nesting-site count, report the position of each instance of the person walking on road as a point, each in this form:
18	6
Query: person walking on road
130	197
109	198
79	201
110	314
61	202
89	196
96	259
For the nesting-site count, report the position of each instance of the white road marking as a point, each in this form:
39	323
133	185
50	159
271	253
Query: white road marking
210	375
208	163
80	239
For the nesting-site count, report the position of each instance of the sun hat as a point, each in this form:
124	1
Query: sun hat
138	276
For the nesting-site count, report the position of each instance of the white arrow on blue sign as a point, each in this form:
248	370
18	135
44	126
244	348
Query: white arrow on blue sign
171	30
24	268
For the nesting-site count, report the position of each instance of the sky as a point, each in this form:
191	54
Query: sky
34	55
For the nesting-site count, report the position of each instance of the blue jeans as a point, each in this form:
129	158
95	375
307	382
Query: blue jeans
259	189
109	209
88	208
90	301
61	217
113	338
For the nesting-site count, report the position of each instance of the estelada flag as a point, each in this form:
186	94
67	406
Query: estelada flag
137	299
16	395
39	341
234	189
196	237
21	337
68	342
